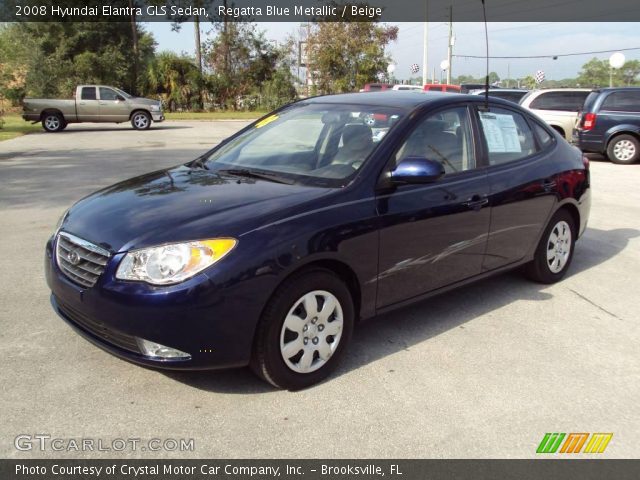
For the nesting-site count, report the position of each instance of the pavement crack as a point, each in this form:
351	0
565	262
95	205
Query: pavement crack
595	304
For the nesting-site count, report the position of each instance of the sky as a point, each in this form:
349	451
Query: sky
505	39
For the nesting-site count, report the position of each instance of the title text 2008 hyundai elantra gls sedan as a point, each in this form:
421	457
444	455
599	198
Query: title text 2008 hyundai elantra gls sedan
267	249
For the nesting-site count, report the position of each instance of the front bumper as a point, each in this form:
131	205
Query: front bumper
157	116
214	325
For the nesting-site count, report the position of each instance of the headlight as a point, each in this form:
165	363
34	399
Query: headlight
155	108
173	263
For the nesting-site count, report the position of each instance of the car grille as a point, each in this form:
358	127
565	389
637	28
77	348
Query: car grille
81	261
98	329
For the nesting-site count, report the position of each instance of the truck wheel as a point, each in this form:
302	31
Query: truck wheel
53	122
624	149
141	120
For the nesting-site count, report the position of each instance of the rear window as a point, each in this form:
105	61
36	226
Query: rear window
564	101
622	102
591	99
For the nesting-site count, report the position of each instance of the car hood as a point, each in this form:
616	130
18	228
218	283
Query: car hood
181	204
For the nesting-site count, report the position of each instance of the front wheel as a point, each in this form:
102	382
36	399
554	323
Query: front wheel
624	149
304	330
53	122
555	250
141	121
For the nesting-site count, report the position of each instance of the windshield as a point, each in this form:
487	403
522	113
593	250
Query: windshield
321	144
122	92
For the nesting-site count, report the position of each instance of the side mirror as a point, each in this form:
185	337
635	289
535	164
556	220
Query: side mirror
119	98
417	170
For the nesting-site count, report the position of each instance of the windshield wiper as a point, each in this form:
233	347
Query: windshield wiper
200	162
245	172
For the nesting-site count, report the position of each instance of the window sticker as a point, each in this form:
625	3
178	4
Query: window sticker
266	121
501	133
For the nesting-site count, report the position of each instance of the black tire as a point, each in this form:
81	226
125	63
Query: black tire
624	150
268	361
141	120
540	270
53	122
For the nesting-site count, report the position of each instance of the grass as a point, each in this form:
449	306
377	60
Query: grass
213	115
14	126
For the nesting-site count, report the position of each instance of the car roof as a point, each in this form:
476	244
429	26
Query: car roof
407	100
615	89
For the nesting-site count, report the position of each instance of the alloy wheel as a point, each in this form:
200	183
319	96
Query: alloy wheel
52	122
140	120
624	150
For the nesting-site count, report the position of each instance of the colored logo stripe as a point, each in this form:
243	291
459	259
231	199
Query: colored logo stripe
598	442
574	443
550	443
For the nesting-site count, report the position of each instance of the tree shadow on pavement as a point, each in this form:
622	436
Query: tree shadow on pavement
402	329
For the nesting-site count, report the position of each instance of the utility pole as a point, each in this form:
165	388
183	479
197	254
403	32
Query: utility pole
425	68
450	49
508	74
196	25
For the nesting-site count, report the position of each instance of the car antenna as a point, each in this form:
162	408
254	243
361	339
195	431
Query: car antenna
486	43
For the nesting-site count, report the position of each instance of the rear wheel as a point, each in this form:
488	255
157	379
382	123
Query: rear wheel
141	120
555	250
304	330
53	122
624	149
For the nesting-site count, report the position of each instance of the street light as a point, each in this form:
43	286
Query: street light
616	61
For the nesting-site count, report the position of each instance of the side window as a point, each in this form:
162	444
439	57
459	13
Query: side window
445	136
544	137
107	94
622	102
565	101
88	93
507	134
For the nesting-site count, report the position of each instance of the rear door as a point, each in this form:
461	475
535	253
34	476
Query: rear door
88	105
113	108
434	235
522	182
620	108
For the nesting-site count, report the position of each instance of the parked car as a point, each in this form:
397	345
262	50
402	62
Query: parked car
558	107
440	87
401	87
468	87
512	94
93	103
610	124
268	248
377	87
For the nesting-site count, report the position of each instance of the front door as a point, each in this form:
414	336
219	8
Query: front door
113	108
434	235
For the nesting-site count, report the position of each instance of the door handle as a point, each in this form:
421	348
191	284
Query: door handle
476	202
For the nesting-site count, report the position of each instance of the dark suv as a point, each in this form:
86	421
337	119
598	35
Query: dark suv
610	124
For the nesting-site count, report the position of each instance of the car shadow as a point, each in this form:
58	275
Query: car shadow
122	128
402	329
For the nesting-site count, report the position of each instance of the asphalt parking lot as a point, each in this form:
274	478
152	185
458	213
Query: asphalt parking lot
482	372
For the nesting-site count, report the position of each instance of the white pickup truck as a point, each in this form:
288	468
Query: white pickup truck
93	103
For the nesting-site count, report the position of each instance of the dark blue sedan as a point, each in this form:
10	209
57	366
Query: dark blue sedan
267	249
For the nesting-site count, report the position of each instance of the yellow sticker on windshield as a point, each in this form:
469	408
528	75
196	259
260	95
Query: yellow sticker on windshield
266	121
